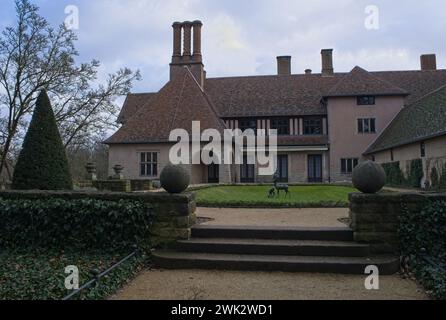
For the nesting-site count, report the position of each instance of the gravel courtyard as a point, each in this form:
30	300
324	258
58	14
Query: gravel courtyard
233	285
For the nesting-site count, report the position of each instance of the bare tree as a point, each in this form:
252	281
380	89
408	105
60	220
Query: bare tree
36	56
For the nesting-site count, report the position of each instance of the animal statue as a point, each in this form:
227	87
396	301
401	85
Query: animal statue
278	187
282	187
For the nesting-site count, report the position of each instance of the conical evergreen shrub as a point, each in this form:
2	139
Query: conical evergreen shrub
42	164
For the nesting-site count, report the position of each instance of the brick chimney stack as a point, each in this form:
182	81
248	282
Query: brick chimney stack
284	65
327	62
197	25
182	34
428	62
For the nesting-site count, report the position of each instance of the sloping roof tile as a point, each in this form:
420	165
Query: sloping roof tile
425	118
180	102
361	82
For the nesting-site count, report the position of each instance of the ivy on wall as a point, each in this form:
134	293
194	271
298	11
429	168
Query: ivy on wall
423	239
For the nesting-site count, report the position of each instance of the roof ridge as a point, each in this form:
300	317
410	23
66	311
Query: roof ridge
178	102
426	95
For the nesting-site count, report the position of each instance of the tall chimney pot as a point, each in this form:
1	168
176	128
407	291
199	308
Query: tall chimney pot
197	25
284	65
327	62
187	46
428	62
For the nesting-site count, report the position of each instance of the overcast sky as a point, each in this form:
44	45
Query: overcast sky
243	37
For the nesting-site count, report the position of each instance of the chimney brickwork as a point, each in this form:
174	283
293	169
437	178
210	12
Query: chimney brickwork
327	62
428	62
284	65
184	33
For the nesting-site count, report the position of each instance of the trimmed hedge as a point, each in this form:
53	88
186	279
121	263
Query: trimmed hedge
395	176
415	173
426	230
42	164
55	223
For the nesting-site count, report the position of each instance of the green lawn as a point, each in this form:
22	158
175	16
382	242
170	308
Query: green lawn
257	196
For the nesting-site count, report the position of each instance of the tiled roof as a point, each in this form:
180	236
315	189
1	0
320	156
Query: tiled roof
180	102
425	118
361	82
299	94
269	95
132	103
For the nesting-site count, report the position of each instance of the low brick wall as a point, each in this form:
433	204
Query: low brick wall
175	214
375	217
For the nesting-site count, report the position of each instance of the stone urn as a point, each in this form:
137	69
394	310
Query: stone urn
91	171
118	172
369	177
175	179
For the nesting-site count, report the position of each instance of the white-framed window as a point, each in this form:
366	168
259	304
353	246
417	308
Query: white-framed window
149	164
367	125
348	165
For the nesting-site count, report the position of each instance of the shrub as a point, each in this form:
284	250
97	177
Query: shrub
74	224
415	173
395	176
435	182
425	230
42	164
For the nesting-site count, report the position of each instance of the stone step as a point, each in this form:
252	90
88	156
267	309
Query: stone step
276	233
274	247
341	265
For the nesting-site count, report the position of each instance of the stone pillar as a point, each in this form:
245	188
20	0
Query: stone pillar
176	42
175	217
197	25
375	218
187	52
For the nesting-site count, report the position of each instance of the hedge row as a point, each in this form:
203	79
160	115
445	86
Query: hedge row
75	224
426	232
396	177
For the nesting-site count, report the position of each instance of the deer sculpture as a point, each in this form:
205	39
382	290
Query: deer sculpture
278	187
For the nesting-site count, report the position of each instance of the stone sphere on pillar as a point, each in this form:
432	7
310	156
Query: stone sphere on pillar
369	177
175	179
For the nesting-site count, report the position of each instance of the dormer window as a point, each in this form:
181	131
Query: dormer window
366	101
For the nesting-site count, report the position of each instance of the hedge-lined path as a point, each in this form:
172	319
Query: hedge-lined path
232	285
274	217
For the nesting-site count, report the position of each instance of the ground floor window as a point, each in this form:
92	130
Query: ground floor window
348	165
282	168
315	168
149	164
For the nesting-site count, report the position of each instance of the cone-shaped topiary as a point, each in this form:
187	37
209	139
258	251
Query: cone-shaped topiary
42	164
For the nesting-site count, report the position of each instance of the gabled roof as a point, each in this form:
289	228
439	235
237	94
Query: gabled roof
180	102
423	119
361	82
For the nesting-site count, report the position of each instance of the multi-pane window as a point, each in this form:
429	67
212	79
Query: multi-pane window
366	101
149	164
282	125
246	124
313	126
367	125
347	165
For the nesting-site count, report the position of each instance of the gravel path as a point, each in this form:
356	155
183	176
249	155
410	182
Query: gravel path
233	285
275	217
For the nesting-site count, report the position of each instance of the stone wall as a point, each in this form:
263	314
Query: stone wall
175	214
375	217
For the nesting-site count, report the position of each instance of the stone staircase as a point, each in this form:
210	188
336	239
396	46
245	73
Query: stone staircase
288	249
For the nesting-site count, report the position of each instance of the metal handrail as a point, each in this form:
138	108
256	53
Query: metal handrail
97	275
